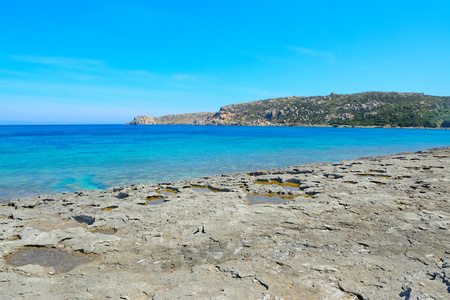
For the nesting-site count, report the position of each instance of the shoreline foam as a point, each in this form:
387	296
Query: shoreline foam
367	228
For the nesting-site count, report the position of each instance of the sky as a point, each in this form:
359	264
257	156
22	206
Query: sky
105	62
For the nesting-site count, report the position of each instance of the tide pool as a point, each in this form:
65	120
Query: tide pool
65	158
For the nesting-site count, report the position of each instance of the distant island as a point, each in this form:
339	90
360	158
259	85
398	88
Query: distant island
375	109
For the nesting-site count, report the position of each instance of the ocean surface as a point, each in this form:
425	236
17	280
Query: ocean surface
64	158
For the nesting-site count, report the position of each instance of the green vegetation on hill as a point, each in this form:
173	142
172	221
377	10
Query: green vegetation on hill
188	118
362	109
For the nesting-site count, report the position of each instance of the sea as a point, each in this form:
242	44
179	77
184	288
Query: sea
37	159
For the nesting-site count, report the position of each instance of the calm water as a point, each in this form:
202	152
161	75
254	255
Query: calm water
49	159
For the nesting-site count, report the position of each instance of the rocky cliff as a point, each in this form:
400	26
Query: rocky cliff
362	109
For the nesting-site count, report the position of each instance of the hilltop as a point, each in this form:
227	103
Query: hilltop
386	109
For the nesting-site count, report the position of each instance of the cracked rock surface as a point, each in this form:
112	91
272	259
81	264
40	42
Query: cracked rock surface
369	228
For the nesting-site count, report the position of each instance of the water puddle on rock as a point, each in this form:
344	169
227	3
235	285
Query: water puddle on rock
378	171
154	200
269	198
166	192
286	185
61	261
109	208
201	189
290	188
218	190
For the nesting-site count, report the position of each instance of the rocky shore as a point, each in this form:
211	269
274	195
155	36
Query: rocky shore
369	228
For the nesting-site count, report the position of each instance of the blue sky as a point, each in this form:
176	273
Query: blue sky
64	62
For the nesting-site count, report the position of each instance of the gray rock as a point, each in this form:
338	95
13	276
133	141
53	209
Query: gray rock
370	228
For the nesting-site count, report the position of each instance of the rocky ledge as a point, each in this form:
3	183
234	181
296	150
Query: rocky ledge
369	228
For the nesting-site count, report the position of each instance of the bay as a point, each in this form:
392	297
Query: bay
40	159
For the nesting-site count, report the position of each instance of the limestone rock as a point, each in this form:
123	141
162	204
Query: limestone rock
369	228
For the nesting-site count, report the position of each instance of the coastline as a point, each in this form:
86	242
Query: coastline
367	228
56	159
372	109
292	125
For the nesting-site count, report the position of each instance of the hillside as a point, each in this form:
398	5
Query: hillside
199	118
363	109
189	118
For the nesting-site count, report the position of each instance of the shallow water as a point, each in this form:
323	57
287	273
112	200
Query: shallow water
285	185
155	201
66	158
201	190
60	260
260	199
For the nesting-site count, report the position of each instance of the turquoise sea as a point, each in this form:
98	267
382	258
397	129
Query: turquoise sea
64	158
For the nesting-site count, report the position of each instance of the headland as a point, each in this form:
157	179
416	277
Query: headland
369	109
